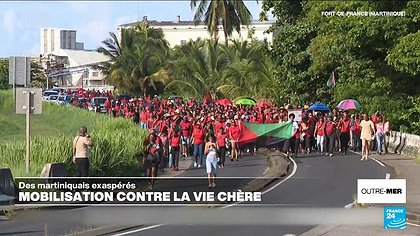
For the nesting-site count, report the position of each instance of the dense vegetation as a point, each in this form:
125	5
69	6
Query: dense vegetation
116	141
376	59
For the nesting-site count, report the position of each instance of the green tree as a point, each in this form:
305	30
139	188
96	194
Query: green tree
197	67
228	13
38	77
137	60
375	58
249	72
4	74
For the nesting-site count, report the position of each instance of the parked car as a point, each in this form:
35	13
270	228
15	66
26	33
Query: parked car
98	104
53	98
46	94
64	100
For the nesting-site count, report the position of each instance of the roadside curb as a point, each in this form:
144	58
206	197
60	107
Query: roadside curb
184	165
278	167
412	216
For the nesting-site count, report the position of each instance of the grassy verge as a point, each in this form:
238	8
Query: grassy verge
116	141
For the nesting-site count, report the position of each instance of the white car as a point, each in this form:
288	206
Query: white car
63	100
53	98
46	95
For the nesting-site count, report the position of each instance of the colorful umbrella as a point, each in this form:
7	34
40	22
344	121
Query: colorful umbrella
264	102
349	104
319	107
245	101
224	102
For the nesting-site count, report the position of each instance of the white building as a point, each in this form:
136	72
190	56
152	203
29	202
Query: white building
53	39
75	68
179	32
67	63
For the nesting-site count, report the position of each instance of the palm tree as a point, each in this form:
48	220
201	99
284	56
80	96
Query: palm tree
250	72
197	67
231	14
137	60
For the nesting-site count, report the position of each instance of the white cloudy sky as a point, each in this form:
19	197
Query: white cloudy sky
20	21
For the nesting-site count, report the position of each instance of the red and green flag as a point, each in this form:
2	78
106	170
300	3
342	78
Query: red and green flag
267	133
332	80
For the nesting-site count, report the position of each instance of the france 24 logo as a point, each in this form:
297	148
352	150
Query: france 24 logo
395	217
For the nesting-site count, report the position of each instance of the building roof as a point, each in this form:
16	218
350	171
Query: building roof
183	23
84	57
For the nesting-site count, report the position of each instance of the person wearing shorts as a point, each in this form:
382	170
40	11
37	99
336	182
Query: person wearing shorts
210	150
367	134
151	158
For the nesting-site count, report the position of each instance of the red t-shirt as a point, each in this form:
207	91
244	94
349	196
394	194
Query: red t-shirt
217	126
320	128
234	132
330	128
345	126
175	141
221	139
198	135
186	128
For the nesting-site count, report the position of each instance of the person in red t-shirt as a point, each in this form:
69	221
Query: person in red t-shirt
221	137
234	134
306	135
198	142
344	126
320	132
330	132
186	128
175	140
357	130
151	158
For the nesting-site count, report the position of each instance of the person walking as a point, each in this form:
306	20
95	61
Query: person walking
344	126
198	142
379	134
81	145
211	161
151	158
330	132
175	140
234	134
367	134
319	132
356	133
221	142
387	130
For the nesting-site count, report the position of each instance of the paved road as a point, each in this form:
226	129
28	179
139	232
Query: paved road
68	221
319	181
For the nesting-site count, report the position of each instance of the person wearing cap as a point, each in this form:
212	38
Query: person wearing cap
81	145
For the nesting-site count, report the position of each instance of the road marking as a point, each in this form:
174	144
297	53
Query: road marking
415	225
139	230
236	203
350	205
372	158
272	187
377	161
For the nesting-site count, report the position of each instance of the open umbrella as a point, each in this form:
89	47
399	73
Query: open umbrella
319	107
264	102
224	102
349	104
245	101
